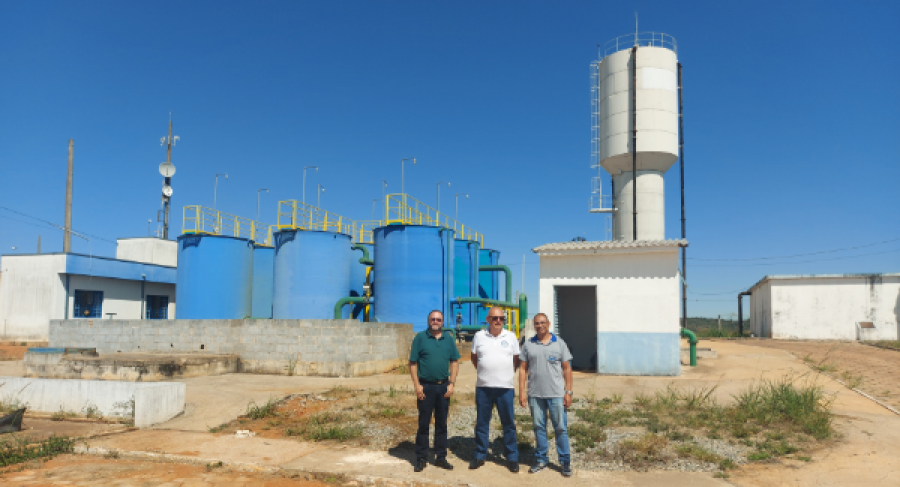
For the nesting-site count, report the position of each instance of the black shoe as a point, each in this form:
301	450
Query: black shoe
513	467
566	470
537	467
443	463
475	464
420	464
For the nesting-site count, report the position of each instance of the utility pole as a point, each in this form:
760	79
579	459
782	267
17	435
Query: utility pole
67	234
39	244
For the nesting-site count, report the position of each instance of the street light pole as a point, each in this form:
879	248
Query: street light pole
319	192
216	189
402	187
304	180
439	196
257	201
456	215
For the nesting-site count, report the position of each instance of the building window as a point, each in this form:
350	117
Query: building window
157	307
88	304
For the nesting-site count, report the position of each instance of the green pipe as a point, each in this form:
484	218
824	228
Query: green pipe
364	260
339	306
523	305
523	310
692	340
504	269
448	265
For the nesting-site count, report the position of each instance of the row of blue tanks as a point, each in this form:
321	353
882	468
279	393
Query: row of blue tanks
410	270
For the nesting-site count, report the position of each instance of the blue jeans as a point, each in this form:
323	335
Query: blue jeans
539	408
485	399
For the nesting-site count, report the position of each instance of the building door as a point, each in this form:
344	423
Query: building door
575	310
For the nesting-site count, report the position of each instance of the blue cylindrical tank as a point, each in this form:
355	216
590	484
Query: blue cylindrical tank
488	282
357	281
414	273
263	270
465	281
214	277
312	272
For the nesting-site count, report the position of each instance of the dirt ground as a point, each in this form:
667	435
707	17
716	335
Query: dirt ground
865	452
98	471
35	428
12	352
875	371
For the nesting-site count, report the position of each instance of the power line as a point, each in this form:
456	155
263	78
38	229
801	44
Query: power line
29	223
719	294
59	227
801	255
802	261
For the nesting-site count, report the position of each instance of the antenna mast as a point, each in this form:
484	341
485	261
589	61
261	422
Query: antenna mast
167	170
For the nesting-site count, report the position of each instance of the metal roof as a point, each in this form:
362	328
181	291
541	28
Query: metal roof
609	244
792	277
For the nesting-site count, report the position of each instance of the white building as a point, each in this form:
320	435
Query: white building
35	288
616	303
826	307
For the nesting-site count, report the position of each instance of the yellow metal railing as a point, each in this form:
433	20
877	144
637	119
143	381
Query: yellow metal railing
296	215
364	230
406	210
197	219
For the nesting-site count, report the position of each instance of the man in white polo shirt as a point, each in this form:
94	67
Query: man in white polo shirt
495	355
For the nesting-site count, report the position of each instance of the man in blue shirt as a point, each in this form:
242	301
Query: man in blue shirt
433	364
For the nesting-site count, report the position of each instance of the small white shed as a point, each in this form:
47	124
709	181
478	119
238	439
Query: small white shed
826	307
616	303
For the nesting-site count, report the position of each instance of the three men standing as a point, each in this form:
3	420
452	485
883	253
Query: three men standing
546	365
433	364
545	383
495	355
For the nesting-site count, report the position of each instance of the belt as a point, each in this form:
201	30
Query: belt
441	382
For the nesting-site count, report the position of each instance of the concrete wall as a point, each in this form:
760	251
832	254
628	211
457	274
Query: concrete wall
637	304
827	307
153	402
148	250
31	294
125	298
340	348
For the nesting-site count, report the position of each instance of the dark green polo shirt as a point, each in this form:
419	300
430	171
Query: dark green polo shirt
433	356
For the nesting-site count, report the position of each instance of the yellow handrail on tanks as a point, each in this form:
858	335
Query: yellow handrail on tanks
405	210
199	220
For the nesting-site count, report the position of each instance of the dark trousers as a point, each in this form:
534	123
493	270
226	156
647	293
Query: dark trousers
435	403
485	400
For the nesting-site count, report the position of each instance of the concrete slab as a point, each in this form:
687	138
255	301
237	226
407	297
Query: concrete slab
149	403
142	367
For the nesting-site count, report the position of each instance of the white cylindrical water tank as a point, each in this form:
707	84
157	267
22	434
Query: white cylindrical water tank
651	206
641	83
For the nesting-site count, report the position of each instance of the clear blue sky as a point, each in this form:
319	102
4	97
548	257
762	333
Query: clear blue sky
791	120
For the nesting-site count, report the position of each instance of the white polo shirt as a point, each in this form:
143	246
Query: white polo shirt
495	358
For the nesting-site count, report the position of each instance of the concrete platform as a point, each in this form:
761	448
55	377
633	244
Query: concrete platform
146	403
139	367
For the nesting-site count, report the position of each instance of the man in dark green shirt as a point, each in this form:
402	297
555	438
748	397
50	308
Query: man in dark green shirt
433	364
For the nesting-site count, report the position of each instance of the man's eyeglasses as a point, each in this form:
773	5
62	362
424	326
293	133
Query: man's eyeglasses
435	319
501	318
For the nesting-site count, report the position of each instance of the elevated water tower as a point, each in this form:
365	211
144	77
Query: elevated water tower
634	130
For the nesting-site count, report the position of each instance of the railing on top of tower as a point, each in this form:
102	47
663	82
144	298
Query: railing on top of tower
640	39
296	215
199	220
404	209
